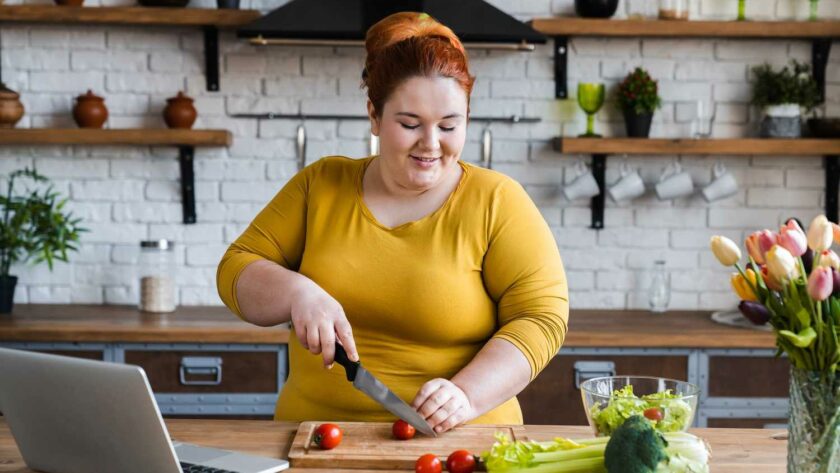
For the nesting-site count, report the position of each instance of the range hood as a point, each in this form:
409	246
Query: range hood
344	22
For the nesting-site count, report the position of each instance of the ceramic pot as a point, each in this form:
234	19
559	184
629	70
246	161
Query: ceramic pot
781	121
179	112
637	124
90	111
11	109
595	8
70	3
7	293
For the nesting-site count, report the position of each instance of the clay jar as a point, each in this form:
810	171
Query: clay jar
90	111
179	112
11	110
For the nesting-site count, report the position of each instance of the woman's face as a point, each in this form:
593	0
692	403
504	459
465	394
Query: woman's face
421	131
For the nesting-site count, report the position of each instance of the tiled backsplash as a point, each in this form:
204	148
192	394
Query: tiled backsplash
126	194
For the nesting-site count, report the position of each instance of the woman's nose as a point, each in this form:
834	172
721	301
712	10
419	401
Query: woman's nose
430	139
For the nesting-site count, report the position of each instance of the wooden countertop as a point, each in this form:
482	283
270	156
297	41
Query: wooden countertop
588	328
733	450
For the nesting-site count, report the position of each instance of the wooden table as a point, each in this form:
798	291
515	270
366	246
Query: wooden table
733	450
587	328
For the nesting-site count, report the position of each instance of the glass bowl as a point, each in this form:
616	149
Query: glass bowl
609	401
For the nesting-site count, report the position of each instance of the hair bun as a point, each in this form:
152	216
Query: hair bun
404	25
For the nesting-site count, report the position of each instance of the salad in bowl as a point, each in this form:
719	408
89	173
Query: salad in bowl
668	404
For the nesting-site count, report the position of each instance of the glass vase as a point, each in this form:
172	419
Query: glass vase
742	10
814	428
815	4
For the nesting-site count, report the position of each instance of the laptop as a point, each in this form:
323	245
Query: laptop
70	415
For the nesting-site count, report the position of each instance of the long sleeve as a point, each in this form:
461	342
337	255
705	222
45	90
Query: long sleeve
524	274
276	234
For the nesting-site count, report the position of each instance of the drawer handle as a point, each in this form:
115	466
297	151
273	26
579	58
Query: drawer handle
201	365
585	370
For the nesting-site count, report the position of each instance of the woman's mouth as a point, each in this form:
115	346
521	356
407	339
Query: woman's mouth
424	162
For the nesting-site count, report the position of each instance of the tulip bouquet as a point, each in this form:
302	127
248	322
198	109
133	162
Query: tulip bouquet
791	280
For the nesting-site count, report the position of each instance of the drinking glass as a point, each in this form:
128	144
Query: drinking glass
815	5
704	117
590	97
742	10
660	288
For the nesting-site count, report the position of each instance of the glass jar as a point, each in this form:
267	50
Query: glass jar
660	288
157	276
673	9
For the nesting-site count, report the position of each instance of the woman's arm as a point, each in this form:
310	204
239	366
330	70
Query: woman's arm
270	294
497	373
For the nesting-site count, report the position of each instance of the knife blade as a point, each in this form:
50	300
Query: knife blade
367	383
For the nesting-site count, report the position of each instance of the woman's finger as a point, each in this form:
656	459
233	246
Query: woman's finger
313	338
301	335
434	402
327	335
425	391
454	420
344	333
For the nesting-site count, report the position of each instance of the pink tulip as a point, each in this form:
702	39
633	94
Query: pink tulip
758	243
820	283
792	238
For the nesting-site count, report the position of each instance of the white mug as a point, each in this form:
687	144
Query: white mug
584	184
722	186
674	183
629	186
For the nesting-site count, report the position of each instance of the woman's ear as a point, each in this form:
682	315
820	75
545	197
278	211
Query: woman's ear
374	119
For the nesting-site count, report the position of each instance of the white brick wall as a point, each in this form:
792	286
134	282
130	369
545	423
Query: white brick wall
125	194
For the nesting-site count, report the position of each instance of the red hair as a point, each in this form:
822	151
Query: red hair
410	44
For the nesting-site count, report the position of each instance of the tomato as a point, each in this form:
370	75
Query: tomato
654	413
460	461
327	436
428	463
402	430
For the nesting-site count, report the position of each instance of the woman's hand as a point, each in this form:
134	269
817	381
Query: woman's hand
319	320
443	404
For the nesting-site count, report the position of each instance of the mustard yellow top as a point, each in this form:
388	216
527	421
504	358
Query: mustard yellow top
423	298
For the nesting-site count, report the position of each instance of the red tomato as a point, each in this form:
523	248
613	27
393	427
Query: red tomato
402	430
327	436
654	413
428	463
460	461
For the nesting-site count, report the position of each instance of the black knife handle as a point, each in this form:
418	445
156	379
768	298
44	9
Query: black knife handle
351	367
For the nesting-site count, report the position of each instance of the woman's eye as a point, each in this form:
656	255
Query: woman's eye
445	128
409	127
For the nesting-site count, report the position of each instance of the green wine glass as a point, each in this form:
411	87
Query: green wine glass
590	97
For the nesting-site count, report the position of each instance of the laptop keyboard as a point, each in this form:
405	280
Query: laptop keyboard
191	468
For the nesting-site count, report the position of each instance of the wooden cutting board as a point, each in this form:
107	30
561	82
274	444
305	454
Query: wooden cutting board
370	445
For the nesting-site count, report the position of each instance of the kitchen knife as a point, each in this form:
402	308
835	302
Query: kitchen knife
368	384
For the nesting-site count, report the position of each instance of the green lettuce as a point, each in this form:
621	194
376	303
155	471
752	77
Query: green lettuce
623	404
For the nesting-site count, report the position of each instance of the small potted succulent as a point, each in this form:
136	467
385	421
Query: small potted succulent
638	97
33	225
783	95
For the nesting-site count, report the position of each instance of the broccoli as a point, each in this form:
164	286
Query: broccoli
635	447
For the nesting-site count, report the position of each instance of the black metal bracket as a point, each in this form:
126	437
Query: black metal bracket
820	49
211	57
832	185
599	168
561	56
185	158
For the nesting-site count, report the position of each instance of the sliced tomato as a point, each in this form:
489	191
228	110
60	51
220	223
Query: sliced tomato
327	436
654	413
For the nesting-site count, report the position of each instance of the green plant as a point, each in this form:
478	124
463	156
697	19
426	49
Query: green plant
34	225
793	84
639	92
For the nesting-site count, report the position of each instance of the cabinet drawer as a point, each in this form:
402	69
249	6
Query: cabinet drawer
755	423
748	376
238	371
553	398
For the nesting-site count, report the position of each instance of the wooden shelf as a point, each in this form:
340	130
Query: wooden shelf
740	146
141	137
560	26
128	15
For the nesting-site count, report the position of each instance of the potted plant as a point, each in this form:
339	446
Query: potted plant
783	94
35	226
638	98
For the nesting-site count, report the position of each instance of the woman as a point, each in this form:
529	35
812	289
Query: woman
443	277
